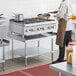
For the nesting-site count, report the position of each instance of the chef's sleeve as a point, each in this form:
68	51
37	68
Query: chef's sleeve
62	11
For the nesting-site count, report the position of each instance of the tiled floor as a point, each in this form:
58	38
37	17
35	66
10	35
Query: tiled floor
18	63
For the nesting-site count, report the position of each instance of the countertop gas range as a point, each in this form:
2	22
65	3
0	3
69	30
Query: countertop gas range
32	26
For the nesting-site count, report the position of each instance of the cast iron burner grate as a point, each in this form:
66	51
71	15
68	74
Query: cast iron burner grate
32	20
35	20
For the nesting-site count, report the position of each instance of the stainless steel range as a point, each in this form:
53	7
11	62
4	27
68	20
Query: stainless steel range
31	29
32	26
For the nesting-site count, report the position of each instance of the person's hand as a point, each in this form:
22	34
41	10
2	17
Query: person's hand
56	11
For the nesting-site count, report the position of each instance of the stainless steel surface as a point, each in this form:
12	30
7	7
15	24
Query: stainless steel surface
52	49
38	46
74	30
3	58
64	68
18	17
27	38
31	51
3	28
12	50
25	51
3	32
3	42
32	26
30	29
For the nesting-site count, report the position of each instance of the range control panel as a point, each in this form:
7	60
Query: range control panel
38	29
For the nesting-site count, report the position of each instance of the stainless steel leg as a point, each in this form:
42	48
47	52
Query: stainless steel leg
25	54
3	64
52	49
38	46
75	32
12	50
59	73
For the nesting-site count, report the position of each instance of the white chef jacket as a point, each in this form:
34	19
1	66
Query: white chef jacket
64	13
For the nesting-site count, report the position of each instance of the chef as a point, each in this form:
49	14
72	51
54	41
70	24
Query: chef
64	29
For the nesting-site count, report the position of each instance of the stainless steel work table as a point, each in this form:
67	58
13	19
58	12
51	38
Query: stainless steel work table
28	52
3	44
65	68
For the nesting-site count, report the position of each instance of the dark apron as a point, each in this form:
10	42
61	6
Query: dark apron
61	32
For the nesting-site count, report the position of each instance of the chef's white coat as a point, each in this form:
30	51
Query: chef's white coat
64	13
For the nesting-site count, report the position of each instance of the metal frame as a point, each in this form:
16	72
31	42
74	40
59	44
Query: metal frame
64	68
12	50
38	46
25	49
52	49
20	30
25	53
25	39
3	58
3	44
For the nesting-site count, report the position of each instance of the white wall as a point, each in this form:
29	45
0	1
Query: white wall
30	8
73	5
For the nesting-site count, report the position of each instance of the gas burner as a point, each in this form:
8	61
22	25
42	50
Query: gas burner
35	20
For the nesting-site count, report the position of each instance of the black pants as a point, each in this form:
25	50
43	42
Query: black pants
67	39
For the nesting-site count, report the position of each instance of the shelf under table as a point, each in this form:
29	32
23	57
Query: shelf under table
31	51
